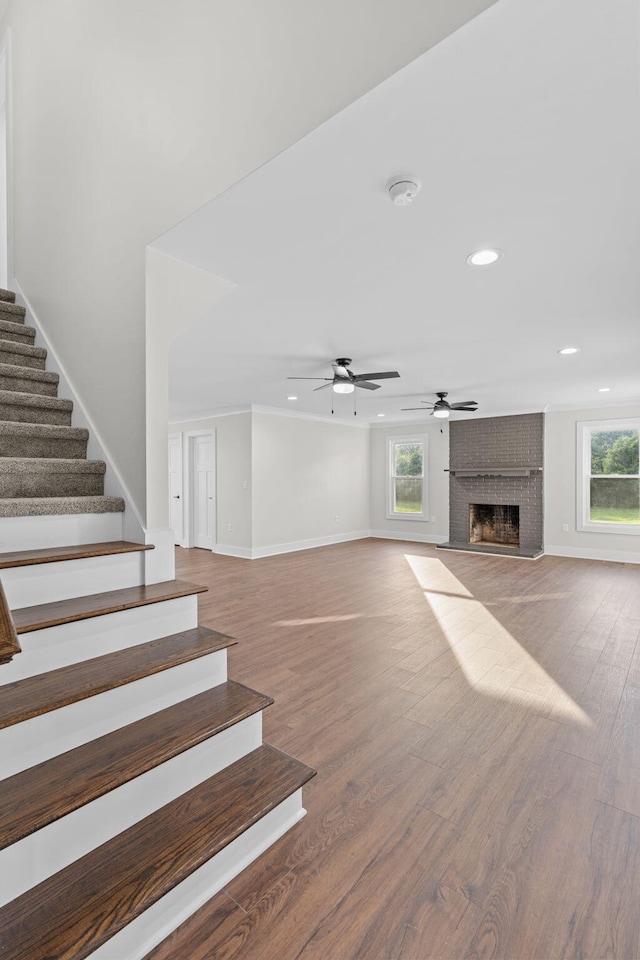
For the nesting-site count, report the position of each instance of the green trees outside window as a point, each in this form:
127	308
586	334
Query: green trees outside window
614	482
407	477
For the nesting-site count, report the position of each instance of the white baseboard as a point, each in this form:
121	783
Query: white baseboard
413	537
247	553
586	553
244	553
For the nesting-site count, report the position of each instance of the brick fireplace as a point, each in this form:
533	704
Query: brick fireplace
495	485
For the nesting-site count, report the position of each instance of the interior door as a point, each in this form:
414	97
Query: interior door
204	479
176	519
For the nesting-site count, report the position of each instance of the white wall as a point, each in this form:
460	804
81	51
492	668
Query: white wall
233	470
129	116
431	531
310	481
560	490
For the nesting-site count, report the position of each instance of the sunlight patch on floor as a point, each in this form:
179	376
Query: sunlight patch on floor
490	658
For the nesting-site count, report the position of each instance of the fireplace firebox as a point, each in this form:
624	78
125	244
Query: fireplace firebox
494	523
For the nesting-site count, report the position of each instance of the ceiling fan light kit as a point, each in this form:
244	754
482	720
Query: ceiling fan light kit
442	408
345	381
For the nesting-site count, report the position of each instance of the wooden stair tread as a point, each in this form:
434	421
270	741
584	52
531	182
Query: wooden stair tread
97	604
83	551
44	793
75	911
33	696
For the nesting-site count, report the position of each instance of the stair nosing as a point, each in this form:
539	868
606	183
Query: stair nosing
117	757
19	428
54	506
26	349
35	696
50	465
82	551
99	604
28	373
117	883
18	398
29	332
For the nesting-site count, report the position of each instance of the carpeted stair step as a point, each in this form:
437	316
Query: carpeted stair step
22	355
49	477
28	380
38	796
17	332
11	311
59	506
33	408
7	295
79	908
43	440
46	615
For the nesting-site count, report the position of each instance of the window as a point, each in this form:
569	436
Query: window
407	479
609	476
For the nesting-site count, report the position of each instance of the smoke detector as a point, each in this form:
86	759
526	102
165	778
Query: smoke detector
403	190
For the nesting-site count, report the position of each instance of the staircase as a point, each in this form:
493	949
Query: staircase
134	783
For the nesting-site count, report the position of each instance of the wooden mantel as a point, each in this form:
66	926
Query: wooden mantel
492	471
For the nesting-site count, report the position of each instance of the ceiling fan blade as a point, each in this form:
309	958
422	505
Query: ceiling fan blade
385	375
416	408
341	371
367	386
311	378
467	405
323	387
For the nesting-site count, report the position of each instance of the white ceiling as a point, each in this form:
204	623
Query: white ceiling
524	129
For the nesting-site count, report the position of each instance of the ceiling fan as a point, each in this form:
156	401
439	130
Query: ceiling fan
442	408
345	381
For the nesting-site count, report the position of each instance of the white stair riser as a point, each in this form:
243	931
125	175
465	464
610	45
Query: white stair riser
28	862
53	647
40	738
48	582
36	533
156	923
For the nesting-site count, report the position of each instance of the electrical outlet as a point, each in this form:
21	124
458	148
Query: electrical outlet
245	484
337	518
565	528
433	519
229	528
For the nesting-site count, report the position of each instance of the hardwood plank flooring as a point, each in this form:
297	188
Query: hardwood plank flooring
475	723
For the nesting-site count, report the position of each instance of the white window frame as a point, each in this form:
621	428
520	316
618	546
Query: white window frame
392	442
583	474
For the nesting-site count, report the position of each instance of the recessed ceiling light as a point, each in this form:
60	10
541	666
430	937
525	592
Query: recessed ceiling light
380	414
292	398
483	258
567	350
604	389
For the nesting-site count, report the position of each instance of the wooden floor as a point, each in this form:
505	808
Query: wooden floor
475	723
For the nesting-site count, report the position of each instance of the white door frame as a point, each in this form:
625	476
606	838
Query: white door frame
178	436
189	485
